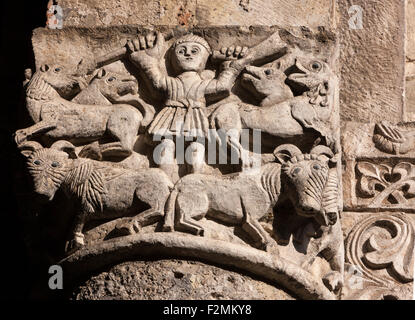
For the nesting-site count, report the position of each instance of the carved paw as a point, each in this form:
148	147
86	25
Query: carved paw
333	281
20	136
75	244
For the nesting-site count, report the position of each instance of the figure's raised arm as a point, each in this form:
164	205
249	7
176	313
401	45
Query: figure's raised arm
230	70
146	53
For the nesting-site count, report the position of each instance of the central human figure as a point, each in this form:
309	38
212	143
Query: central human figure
184	111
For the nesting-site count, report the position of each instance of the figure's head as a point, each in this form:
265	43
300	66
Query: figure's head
190	53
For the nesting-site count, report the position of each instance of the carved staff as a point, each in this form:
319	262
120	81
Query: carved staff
269	49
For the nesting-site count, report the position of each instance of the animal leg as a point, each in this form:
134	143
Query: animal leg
77	238
254	229
24	134
191	206
128	226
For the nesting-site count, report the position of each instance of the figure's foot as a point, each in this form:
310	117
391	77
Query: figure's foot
333	281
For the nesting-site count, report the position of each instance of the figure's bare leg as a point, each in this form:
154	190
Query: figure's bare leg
167	161
195	157
170	212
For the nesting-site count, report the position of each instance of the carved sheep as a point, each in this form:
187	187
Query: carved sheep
99	190
311	183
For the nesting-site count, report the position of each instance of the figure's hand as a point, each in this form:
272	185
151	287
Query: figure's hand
151	44
233	53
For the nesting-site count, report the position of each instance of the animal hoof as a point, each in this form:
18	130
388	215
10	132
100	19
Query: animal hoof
75	244
333	281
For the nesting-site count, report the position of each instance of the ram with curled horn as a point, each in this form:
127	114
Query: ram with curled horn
310	181
100	190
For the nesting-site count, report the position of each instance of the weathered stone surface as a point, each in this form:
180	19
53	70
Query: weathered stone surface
95	13
372	61
174	280
410	62
310	13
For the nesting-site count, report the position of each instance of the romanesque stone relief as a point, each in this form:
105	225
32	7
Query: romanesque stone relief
386	185
148	142
394	139
380	257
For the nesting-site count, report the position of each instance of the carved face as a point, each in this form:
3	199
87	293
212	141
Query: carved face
48	168
308	179
190	56
265	81
113	85
310	72
65	84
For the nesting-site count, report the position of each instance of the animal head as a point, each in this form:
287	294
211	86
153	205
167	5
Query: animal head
65	83
113	85
310	72
48	166
312	183
266	81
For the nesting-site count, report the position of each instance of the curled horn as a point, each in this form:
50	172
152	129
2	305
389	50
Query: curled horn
286	152
322	151
28	147
65	146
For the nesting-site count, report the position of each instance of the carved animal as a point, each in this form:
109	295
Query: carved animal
311	182
280	114
100	191
57	118
243	199
106	88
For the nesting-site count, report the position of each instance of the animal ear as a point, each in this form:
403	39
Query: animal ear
28	147
44	68
65	146
286	152
101	73
322	151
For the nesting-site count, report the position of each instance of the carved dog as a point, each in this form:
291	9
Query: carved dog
108	88
57	118
99	190
280	114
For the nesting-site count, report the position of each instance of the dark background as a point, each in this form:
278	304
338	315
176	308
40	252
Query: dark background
18	19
